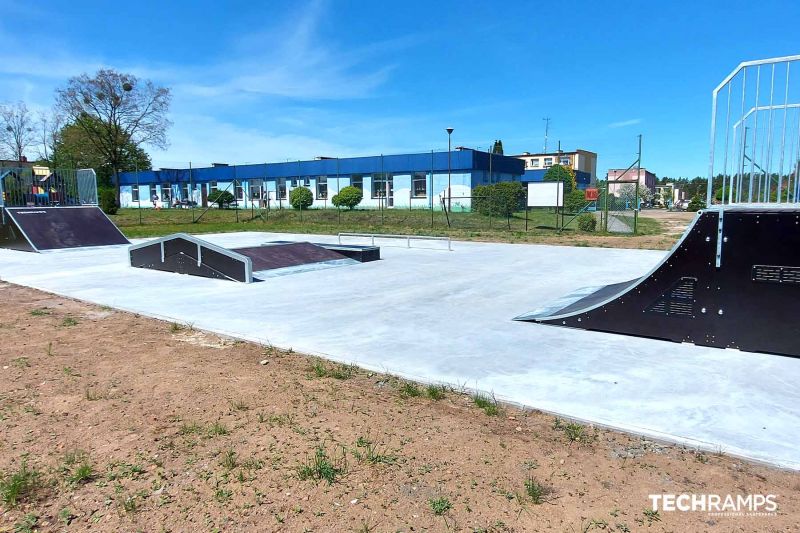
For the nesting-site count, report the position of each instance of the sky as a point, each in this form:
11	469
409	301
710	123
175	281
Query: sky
271	81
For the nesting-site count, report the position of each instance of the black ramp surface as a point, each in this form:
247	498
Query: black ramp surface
747	299
287	255
179	253
56	228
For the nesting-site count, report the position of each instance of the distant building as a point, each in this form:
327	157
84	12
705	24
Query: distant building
582	162
668	195
646	178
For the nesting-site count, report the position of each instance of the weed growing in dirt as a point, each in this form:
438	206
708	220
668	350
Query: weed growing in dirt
42	311
228	460
439	506
77	468
574	432
368	451
341	371
435	392
410	390
537	491
320	467
27	524
18	485
217	429
130	505
223	495
66	516
69	371
69	322
488	404
175	327
650	516
21	362
120	470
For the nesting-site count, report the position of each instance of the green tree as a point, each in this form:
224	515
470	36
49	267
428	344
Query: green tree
221	198
116	110
73	149
696	203
497	148
500	199
348	197
574	201
563	174
301	198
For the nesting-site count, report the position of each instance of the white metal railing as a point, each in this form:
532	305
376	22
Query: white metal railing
408	238
755	134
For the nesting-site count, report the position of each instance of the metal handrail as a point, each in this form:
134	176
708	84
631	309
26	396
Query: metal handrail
408	238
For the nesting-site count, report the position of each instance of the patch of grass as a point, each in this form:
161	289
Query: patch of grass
120	470
65	516
69	371
130	505
410	390
435	392
228	460
487	403
83	473
537	491
217	429
27	524
343	371
319	369
17	486
223	495
69	322
77	468
21	362
368	451
651	516
574	432
175	327
41	311
320	467
191	428
439	506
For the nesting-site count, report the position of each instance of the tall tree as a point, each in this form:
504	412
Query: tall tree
16	129
74	149
497	148
116	111
48	131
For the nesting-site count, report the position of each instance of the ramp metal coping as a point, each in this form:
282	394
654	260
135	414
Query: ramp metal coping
408	238
200	244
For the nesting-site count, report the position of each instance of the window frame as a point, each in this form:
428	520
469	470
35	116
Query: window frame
135	193
321	181
419	177
357	178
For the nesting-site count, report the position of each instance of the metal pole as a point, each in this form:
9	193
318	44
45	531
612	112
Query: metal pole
768	172
138	193
449	149
755	136
783	137
236	193
430	190
191	191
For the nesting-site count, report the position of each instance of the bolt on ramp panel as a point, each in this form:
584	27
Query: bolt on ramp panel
57	228
746	303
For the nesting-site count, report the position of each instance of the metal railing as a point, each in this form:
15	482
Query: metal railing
408	238
755	134
41	186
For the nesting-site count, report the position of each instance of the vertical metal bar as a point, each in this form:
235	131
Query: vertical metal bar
768	170
797	162
783	135
744	139
711	149
755	136
725	157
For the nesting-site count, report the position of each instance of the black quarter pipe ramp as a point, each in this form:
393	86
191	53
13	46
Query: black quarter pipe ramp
732	281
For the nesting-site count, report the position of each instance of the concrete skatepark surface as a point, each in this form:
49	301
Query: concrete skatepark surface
441	316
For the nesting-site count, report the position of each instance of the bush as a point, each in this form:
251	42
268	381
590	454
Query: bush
563	174
221	198
501	199
587	222
108	201
348	197
574	201
301	198
696	203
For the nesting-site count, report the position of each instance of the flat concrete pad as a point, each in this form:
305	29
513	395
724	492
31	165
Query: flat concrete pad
444	316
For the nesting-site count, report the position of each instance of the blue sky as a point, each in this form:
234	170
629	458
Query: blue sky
271	81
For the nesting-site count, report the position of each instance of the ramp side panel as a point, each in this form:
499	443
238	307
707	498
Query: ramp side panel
57	228
12	238
734	306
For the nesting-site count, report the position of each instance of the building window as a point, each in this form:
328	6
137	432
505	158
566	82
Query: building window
166	193
534	163
239	190
134	193
282	188
306	182
322	188
565	161
255	189
212	187
548	162
419	184
380	184
357	181
185	192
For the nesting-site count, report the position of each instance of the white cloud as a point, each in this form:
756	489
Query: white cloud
624	123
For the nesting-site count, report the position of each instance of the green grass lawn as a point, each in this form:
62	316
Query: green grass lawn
151	223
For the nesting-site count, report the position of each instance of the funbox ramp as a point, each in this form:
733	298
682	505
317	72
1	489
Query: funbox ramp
40	229
184	254
732	281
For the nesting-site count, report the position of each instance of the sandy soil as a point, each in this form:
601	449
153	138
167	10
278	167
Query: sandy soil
134	424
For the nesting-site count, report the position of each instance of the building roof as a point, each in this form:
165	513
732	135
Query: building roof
555	154
459	161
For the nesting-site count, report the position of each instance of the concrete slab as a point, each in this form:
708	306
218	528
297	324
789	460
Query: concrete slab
442	316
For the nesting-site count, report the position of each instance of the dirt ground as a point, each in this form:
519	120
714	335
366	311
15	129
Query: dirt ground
130	424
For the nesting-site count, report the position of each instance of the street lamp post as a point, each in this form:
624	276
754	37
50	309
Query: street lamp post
449	194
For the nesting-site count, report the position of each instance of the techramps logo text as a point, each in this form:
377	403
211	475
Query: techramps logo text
717	504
